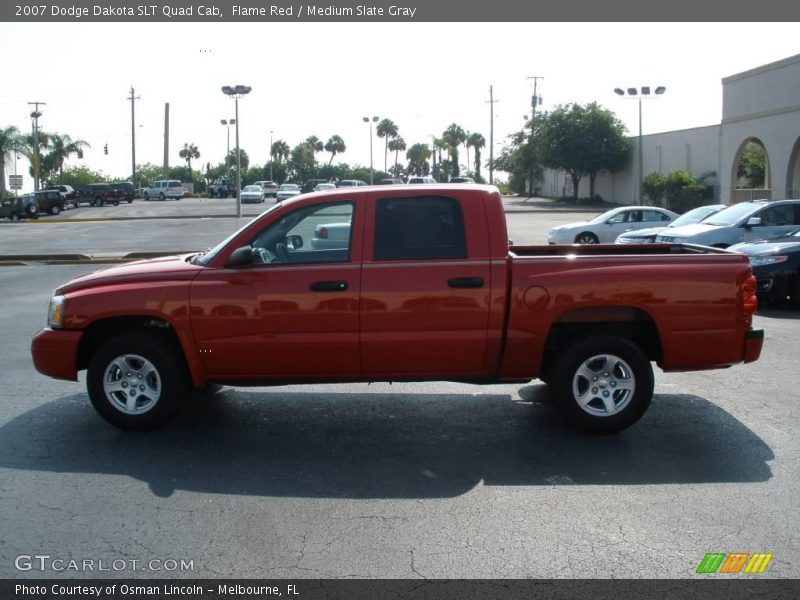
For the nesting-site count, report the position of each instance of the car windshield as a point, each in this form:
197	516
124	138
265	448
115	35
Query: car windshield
290	187
694	216
606	215
734	214
252	188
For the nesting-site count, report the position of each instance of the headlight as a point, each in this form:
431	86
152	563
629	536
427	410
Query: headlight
757	261
55	313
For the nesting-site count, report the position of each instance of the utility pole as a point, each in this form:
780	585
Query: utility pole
491	102
535	101
133	139
271	156
36	160
166	140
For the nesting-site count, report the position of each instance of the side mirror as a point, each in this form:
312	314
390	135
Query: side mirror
293	242
753	222
240	257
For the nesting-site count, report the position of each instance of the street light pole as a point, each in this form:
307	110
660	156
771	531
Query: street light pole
371	169
228	124
271	157
237	92
639	94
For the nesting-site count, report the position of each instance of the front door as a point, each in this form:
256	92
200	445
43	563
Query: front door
293	313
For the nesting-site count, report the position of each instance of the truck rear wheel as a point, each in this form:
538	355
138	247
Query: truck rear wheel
135	381
602	384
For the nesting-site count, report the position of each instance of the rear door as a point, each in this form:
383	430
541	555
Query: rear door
425	286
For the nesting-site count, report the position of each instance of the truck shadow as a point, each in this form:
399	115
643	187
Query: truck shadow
337	445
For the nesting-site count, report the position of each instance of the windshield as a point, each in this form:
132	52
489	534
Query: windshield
208	256
252	188
605	216
290	186
734	214
694	216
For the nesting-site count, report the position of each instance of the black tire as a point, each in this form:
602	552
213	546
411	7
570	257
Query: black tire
795	291
587	237
161	197
98	201
627	385
75	205
164	390
116	202
130	201
55	209
13	217
147	197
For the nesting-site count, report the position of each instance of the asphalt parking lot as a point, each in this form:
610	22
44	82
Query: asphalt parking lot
434	480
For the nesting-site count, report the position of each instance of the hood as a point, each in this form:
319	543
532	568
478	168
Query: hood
689	230
574	225
173	268
764	247
643	233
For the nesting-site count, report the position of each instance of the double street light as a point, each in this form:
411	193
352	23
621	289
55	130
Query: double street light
237	92
371	169
639	93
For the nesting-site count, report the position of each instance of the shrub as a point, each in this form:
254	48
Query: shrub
679	190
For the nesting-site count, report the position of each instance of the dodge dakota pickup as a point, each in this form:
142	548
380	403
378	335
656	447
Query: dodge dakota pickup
394	283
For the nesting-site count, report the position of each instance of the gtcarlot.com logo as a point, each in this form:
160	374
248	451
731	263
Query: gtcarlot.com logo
46	562
734	563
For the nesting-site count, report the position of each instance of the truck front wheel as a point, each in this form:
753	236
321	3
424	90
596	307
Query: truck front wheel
602	384
135	381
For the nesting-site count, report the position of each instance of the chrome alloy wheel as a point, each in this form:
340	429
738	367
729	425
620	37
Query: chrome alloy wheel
603	385
132	384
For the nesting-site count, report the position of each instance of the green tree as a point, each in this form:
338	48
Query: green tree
679	190
187	153
396	145
752	170
10	143
453	137
61	148
77	177
279	151
386	129
230	160
584	140
477	141
521	159
302	162
33	149
418	156
335	145
315	143
147	173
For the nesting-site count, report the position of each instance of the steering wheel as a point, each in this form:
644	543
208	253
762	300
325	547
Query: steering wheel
282	252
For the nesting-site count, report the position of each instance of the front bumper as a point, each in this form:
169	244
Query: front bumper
55	353
753	342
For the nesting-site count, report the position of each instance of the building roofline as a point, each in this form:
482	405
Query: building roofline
778	64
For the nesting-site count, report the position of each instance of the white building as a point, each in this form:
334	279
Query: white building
760	105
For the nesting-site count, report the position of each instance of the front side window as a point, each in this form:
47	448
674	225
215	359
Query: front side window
319	233
777	216
419	228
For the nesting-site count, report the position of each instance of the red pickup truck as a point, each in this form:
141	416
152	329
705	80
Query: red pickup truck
405	284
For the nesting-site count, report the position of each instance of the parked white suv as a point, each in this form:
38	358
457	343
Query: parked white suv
167	188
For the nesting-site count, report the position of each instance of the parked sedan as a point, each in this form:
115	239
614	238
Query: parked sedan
648	236
321	187
286	191
605	228
270	187
331	236
253	193
776	265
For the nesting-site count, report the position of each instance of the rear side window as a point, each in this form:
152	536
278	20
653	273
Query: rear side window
175	184
419	228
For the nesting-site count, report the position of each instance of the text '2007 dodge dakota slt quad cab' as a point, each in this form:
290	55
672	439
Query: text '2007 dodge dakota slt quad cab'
400	284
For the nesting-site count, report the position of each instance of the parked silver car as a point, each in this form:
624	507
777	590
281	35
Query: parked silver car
743	222
648	236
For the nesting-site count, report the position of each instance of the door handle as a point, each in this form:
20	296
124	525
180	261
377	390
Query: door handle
465	282
328	286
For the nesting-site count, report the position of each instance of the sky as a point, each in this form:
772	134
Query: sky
322	78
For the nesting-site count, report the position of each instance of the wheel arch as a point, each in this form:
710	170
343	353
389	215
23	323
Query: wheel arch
101	330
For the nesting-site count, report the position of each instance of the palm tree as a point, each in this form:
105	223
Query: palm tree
386	129
61	148
335	145
454	136
315	143
417	157
189	152
396	145
31	148
10	142
477	141
280	150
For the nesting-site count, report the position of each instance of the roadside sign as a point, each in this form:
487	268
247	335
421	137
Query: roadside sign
15	182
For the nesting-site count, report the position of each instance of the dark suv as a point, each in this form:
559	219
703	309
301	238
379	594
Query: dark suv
97	194
21	207
51	201
126	189
69	192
